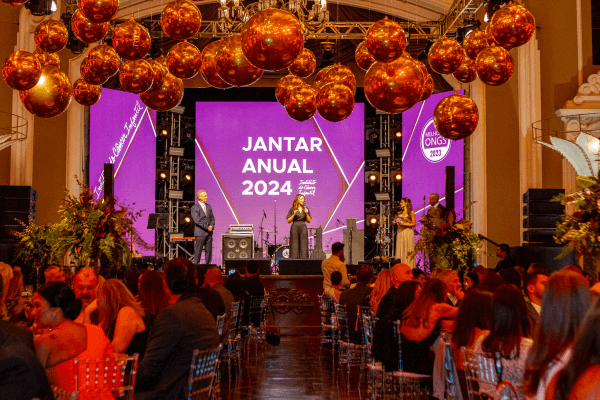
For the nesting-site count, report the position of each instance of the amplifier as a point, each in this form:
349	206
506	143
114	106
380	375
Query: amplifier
182	239
241	228
237	246
541	194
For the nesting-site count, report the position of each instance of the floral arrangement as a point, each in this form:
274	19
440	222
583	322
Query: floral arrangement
446	243
37	243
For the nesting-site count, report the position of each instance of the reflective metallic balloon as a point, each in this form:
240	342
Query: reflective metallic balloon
209	66
51	36
512	26
394	87
494	66
335	102
341	74
301	103
427	88
99	11
14	2
474	43
159	71
168	96
184	60
47	58
180	19
89	74
87	31
386	40
285	85
304	65
466	72
86	94
272	39
131	40
456	117
21	70
51	96
320	75
364	59
232	66
136	76
103	61
445	56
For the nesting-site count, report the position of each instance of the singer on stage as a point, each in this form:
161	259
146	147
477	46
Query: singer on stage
298	215
204	223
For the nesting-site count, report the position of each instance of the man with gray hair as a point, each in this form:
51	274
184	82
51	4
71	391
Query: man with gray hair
204	224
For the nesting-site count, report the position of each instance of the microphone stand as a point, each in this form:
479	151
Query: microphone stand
275	221
262	249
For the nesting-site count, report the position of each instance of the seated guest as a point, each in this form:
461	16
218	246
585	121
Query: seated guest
334	291
537	268
235	286
492	281
573	268
383	283
121	318
420	276
481	272
421	325
508	336
214	280
85	285
455	290
400	273
580	378
533	287
6	274
506	261
355	297
253	287
511	275
53	273
520	270
211	299
55	307
471	279
152	296
565	302
14	301
177	332
335	263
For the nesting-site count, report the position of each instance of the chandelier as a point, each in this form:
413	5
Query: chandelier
233	15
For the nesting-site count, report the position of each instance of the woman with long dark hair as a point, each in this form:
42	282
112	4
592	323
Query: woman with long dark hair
508	336
152	295
564	304
298	215
405	237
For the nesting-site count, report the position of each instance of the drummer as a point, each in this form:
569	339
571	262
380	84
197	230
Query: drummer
335	263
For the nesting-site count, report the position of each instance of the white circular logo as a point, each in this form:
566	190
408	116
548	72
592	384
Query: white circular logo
434	147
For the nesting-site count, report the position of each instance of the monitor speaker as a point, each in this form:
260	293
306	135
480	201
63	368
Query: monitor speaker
237	246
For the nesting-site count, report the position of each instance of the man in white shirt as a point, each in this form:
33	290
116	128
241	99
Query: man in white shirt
335	263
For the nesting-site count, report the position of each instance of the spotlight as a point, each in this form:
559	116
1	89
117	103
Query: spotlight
186	220
371	135
185	177
163	131
397	176
162	175
373	220
372	177
396	132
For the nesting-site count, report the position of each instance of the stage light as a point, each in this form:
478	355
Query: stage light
162	175
373	220
185	177
163	129
396	132
372	176
186	219
371	135
397	176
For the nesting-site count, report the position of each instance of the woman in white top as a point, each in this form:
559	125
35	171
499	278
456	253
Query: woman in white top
405	238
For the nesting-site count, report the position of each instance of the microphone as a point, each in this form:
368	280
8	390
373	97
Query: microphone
264	214
339	222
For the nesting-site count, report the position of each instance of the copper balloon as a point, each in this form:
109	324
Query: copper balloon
136	76
394	87
427	88
87	31
335	102
512	26
474	43
209	66
363	58
86	94
99	11
180	19
21	70
159	71
103	61
466	72
184	60
131	40
320	75
304	65
51	96
445	56
301	103
51	36
285	85
89	74
232	66
494	66
47	58
341	74
14	2
386	40
456	117
272	39
168	96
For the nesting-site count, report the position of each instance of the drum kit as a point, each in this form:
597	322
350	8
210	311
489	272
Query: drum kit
278	251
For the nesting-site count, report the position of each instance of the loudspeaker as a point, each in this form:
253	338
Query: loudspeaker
237	246
18	192
541	194
540	235
450	184
109	180
7	252
543	208
541	221
16	202
545	254
264	265
296	266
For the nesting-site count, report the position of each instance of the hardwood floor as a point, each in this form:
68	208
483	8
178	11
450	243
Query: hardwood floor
299	368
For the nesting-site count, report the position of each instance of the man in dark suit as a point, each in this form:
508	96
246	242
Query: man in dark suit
506	261
204	224
176	333
400	273
534	285
355	297
436	211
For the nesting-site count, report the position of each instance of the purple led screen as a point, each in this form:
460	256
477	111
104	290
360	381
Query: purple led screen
251	156
425	155
122	132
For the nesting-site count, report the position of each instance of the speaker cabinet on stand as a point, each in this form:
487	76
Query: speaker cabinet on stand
236	247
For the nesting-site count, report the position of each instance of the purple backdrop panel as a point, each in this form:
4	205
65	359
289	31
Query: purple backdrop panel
252	157
424	158
122	132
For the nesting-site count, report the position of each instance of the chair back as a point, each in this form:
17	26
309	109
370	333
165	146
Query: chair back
398	336
233	320
451	380
367	324
202	373
221	324
341	317
479	371
258	309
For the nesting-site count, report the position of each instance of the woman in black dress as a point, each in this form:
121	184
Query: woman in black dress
297	216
